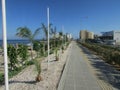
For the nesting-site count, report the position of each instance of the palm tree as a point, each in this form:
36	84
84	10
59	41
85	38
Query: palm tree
53	31
26	33
61	38
60	35
38	68
45	30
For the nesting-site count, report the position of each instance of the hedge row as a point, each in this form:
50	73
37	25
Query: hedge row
111	56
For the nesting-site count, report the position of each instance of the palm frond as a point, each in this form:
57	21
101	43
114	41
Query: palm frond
53	31
36	32
23	32
45	30
38	66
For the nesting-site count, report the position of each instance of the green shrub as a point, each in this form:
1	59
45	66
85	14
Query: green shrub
51	51
31	62
38	66
14	72
12	54
110	54
22	52
1	78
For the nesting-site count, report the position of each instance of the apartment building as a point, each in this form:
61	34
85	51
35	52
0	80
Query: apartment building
84	34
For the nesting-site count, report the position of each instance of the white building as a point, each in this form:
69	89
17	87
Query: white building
115	35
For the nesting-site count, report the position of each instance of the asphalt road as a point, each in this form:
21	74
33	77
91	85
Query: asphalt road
80	72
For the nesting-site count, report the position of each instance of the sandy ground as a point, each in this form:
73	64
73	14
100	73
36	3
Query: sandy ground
25	80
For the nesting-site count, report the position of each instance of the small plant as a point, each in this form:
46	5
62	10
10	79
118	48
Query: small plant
56	54
14	72
12	54
1	78
22	52
36	47
42	51
62	49
29	62
38	68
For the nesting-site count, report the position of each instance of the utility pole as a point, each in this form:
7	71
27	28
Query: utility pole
48	37
5	44
62	35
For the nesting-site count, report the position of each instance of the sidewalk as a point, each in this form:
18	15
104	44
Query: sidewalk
77	75
85	71
107	76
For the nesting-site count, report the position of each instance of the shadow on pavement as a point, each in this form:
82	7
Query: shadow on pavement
27	82
107	73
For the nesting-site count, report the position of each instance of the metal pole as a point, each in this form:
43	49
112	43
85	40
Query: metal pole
65	39
62	40
62	35
48	36
5	44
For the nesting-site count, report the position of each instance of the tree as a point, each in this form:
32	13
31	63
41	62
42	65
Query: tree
60	34
56	54
37	47
26	33
38	68
45	30
53	31
61	38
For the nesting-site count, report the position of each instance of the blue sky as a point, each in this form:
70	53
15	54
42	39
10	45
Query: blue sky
94	15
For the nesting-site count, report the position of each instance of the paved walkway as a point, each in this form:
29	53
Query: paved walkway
77	75
80	72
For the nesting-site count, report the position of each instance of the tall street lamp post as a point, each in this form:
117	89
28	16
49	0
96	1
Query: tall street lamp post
5	44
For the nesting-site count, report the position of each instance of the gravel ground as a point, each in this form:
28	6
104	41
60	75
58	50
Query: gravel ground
25	80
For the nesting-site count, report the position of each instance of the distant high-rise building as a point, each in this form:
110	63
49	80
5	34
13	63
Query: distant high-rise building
84	34
90	35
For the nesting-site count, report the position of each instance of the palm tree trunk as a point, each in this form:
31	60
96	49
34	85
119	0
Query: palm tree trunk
31	52
44	48
54	43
